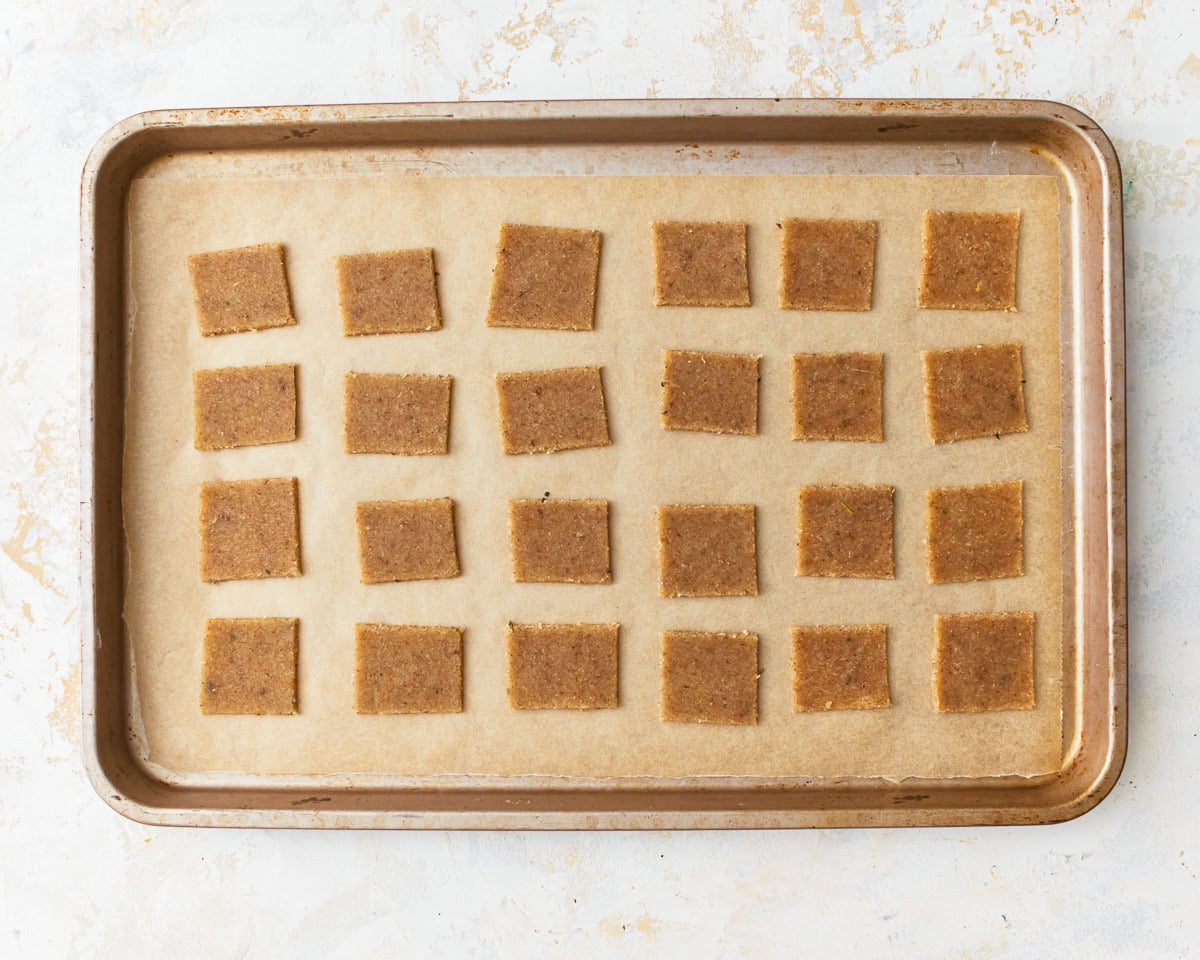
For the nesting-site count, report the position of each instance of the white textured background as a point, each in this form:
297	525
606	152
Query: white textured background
77	880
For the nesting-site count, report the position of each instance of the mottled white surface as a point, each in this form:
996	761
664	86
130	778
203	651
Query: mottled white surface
77	880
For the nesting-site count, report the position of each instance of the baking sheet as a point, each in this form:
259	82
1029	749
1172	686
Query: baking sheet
166	604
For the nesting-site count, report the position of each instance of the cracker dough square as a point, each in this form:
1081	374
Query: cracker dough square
397	413
562	666
559	541
974	392
249	529
983	661
402	540
710	392
970	261
545	278
840	668
710	677
827	264
837	396
542	411
392	292
249	666
845	531
707	550
241	289
975	533
405	669
700	264
244	406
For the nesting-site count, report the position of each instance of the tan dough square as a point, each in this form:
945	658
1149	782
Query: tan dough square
700	264
249	666
403	669
840	668
974	392
562	666
249	529
397	413
401	540
970	261
545	278
983	661
559	541
244	406
710	392
827	264
710	677
837	396
542	411
975	533
241	289
392	292
707	550
845	531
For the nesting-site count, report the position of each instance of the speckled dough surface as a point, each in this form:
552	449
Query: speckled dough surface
545	278
244	406
827	264
249	529
397	413
984	662
710	392
973	392
542	411
700	264
970	261
710	677
845	531
241	289
976	533
407	669
559	541
707	550
249	666
402	540
562	666
390	292
840	668
837	396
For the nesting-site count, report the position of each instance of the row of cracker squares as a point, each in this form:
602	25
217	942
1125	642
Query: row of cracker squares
971	392
250	530
545	277
982	662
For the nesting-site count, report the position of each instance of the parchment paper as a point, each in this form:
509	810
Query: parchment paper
316	219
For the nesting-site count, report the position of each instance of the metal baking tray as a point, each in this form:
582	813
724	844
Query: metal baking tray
798	136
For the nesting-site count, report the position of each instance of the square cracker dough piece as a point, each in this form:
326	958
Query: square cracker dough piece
244	406
983	661
562	666
710	677
970	261
545	278
837	396
400	540
407	669
241	289
249	529
542	411
973	392
707	550
391	292
975	533
397	413
710	392
700	264
840	668
846	531
827	264
559	541
249	666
